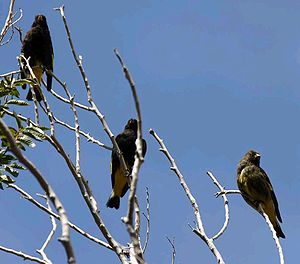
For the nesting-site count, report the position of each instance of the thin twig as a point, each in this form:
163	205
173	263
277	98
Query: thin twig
61	98
137	213
76	125
199	230
31	87
8	21
147	216
226	207
86	135
94	107
173	249
41	251
29	198
90	200
20	33
13	27
138	161
49	113
276	239
9	73
65	237
24	256
227	192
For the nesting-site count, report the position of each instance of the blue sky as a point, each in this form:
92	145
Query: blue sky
215	78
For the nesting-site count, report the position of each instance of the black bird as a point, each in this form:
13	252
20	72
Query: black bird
126	142
37	45
256	188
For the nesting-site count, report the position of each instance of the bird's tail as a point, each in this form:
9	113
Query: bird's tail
278	230
270	211
113	202
37	94
38	72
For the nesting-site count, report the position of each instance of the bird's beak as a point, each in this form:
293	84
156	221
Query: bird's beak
257	155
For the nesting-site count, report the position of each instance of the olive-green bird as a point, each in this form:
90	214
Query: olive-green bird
37	45
256	188
126	142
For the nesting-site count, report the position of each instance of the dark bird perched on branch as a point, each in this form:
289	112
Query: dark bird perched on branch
256	188
126	142
37	45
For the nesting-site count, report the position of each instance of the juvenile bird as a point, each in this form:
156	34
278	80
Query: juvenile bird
37	45
256	188
126	142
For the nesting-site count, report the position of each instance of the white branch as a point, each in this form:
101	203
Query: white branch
226	207
276	239
41	251
29	198
65	237
199	230
22	255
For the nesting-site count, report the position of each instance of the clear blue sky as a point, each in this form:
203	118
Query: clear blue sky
215	78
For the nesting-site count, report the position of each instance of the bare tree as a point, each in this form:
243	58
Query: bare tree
15	139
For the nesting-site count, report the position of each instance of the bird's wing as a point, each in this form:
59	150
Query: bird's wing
144	147
274	199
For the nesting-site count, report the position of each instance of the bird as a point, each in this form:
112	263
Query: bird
257	190
126	142
37	45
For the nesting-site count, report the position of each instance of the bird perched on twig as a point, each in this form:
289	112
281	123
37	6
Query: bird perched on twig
37	45
126	142
256	188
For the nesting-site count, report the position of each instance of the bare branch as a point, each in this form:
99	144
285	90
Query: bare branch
86	135
226	207
137	225
8	21
49	113
227	192
68	101
22	255
94	107
31	87
65	237
28	197
147	216
276	239
90	200
20	33
173	249
128	220
199	230
13	27
77	134
61	98
138	161
51	234
9	73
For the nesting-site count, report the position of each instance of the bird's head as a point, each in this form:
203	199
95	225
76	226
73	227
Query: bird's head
253	157
132	124
40	20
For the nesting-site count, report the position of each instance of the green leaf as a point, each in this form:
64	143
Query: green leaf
27	141
44	128
6	179
35	132
6	159
11	171
21	82
17	166
17	102
18	120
